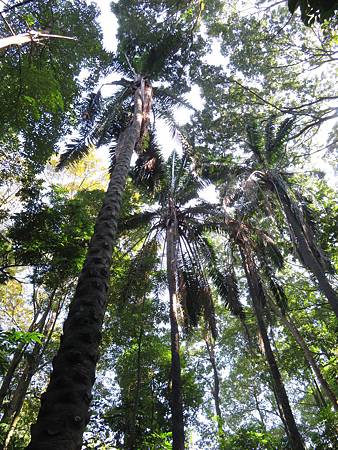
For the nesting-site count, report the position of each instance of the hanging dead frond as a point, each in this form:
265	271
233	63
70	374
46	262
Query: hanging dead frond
93	106
149	167
196	300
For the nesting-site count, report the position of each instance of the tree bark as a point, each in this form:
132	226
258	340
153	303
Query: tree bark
17	357
64	411
304	250
131	438
289	324
12	412
258	300
176	390
211	352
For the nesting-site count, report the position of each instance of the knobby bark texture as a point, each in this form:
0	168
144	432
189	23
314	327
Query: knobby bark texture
176	390
258	300
290	325
64	411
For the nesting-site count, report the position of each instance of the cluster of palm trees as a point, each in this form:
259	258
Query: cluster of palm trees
179	225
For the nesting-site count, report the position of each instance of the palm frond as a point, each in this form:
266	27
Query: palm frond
266	246
276	139
203	209
275	288
74	151
166	99
227	288
255	141
104	127
196	300
137	279
137	220
284	131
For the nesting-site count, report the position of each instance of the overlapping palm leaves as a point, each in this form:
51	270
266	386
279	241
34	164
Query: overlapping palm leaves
263	188
193	220
103	121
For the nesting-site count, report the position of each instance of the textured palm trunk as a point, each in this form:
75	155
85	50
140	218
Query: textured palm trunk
176	390
304	250
289	324
258	300
64	411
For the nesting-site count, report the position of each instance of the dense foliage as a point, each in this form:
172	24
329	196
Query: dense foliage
219	327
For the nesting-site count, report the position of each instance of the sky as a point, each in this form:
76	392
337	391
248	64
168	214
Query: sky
109	26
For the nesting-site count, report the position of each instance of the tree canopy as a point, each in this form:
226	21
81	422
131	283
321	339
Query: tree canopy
168	240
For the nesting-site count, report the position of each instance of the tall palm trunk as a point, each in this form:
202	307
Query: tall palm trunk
258	301
64	411
304	249
176	390
289	324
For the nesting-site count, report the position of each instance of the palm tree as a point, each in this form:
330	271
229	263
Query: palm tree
312	363
250	241
180	226
64	414
265	172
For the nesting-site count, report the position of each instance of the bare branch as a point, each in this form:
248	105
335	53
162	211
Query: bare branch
31	36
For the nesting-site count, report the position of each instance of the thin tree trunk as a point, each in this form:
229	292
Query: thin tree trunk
258	301
289	324
17	357
317	394
304	250
13	410
131	439
215	393
176	390
261	416
64	411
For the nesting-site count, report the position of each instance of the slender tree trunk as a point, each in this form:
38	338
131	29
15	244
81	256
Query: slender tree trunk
17	357
176	390
261	415
215	393
131	439
12	412
289	324
304	250
317	394
64	411
258	301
